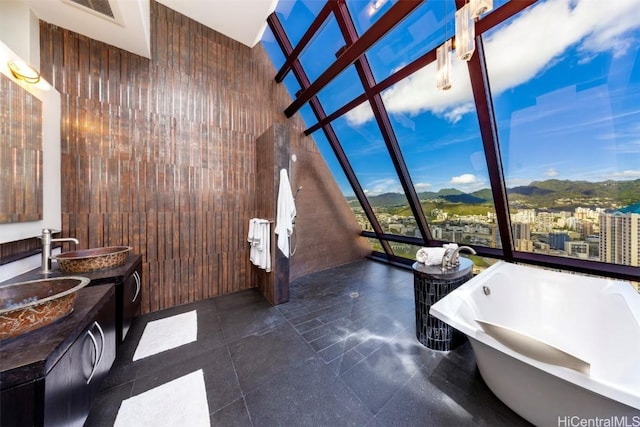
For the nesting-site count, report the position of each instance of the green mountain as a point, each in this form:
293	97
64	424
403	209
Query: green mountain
388	199
552	193
556	193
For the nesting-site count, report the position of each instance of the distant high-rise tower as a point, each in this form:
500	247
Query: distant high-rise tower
522	236
620	238
521	231
557	240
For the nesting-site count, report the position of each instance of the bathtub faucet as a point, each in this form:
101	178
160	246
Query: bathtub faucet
451	257
46	248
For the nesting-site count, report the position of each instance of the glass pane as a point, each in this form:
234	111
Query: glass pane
320	53
341	90
480	263
369	157
292	85
365	12
422	31
338	174
309	118
404	250
329	156
567	119
376	246
361	217
296	16
439	137
273	49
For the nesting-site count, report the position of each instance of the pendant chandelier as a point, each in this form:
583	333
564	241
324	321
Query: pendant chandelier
465	44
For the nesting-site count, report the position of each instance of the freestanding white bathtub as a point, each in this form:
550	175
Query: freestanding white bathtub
559	349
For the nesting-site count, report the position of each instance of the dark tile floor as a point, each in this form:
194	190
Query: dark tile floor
342	352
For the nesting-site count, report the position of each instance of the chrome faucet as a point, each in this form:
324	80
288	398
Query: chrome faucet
451	257
446	259
46	248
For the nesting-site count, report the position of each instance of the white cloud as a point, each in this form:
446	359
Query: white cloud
380	186
455	114
628	174
464	179
422	186
551	172
514	55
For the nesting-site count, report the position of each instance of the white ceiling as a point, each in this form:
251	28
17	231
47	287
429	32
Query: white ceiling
241	20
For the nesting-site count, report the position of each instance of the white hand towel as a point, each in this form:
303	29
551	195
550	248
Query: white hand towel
253	230
255	235
286	213
266	246
430	256
260	252
252	222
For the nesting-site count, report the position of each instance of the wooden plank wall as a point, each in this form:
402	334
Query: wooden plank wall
159	154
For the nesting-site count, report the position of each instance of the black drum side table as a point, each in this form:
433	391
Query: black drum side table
430	284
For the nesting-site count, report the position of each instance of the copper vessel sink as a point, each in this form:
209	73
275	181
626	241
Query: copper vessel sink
26	306
85	260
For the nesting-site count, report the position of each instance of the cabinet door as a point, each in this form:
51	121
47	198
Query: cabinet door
67	396
73	382
104	330
22	405
131	296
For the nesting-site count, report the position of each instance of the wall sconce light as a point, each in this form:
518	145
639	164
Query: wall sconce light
443	66
480	7
23	71
465	33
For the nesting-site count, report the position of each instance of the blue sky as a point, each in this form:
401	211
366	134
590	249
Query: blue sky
568	110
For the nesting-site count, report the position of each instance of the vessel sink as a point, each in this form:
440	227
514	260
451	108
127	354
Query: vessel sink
26	306
85	260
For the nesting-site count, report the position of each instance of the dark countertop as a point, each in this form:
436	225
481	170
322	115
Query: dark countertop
108	275
32	355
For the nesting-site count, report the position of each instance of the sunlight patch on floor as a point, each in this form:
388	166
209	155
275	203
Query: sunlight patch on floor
181	402
165	334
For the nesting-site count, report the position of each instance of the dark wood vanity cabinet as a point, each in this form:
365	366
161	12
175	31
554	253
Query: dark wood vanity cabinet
75	380
130	302
50	376
127	279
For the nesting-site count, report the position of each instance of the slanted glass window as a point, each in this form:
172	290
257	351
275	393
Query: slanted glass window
296	16
341	90
292	85
439	137
365	12
320	53
309	118
338	174
404	250
567	117
334	166
364	146
422	31
376	246
273	48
